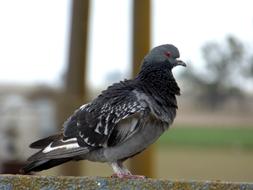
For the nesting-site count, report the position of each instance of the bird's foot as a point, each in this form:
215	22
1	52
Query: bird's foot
128	176
123	173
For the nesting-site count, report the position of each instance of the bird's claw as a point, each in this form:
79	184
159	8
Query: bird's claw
128	176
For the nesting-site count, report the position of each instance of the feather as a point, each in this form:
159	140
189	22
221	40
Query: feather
42	165
60	149
42	143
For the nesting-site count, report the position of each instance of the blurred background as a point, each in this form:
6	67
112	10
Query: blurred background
57	55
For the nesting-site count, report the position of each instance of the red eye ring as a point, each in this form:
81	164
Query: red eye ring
168	54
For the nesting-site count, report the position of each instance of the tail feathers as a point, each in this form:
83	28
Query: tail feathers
43	165
61	153
55	150
59	148
42	143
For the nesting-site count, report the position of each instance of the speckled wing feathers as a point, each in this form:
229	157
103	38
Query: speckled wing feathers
93	123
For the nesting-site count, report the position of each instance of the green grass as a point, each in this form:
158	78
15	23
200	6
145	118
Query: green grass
211	137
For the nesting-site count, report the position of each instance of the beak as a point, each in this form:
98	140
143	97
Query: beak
180	62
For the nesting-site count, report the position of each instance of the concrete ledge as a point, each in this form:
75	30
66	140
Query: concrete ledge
20	182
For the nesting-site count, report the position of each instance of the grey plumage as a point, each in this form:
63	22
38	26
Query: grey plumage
121	122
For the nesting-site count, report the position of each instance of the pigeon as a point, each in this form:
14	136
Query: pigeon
121	122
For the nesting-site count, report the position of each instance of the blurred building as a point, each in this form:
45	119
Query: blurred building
26	114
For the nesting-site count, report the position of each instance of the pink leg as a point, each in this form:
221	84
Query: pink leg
121	172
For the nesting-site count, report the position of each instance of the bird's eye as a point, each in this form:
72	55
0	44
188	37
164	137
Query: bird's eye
168	54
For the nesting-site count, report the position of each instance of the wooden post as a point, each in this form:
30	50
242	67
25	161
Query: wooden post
75	90
143	163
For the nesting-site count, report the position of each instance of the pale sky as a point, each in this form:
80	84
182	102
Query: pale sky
34	34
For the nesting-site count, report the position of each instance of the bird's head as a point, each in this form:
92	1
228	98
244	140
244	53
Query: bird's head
167	54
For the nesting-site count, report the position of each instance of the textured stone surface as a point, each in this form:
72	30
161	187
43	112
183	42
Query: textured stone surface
23	182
